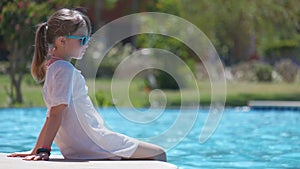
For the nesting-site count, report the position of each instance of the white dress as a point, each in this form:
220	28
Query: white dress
82	134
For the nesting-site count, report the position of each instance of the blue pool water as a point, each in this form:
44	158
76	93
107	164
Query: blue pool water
244	138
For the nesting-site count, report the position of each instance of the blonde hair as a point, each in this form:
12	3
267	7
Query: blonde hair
63	22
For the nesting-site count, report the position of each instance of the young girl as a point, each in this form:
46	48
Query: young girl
72	121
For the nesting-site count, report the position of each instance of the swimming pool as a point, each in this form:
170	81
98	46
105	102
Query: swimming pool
244	138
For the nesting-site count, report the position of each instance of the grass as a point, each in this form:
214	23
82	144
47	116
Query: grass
238	93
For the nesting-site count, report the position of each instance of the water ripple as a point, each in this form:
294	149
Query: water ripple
244	139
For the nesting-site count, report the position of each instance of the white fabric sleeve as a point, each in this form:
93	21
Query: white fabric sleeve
61	84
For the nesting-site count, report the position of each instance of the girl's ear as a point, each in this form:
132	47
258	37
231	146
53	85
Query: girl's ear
61	41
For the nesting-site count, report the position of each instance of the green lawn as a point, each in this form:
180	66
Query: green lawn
238	93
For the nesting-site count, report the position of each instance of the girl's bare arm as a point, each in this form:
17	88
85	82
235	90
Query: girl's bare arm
47	134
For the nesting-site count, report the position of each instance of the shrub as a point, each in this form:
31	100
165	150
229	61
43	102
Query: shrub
263	72
244	71
113	58
166	81
287	69
102	100
252	71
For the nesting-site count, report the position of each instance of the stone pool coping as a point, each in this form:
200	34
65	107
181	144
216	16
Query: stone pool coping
271	104
58	162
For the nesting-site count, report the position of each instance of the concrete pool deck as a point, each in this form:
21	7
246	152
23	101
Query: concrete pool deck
265	104
58	162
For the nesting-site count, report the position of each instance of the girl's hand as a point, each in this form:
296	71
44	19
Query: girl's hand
28	155
21	154
35	157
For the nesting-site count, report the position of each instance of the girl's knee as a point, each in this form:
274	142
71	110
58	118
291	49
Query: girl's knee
149	151
161	155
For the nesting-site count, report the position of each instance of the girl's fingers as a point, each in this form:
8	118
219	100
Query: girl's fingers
42	156
20	154
37	158
28	158
17	155
11	155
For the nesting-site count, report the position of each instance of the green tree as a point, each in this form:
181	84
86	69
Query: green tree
18	19
241	29
164	80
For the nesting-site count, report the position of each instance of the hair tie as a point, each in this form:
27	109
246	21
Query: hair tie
46	24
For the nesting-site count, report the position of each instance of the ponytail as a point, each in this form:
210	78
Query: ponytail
38	66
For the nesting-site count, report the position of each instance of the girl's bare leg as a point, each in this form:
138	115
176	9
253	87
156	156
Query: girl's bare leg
147	151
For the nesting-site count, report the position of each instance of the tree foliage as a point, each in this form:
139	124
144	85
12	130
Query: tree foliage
241	29
173	45
18	21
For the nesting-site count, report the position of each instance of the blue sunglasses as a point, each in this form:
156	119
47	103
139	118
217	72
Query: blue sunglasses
84	39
